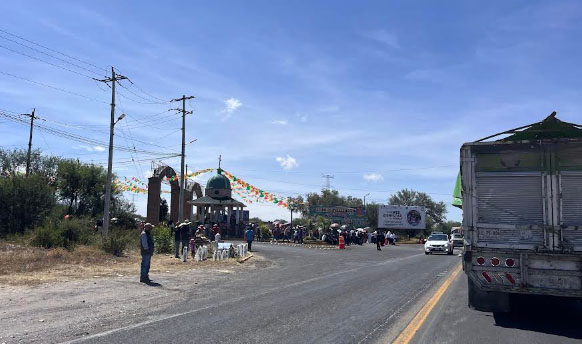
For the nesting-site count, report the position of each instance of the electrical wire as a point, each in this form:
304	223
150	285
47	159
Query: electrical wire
54	57
75	137
47	48
47	62
53	87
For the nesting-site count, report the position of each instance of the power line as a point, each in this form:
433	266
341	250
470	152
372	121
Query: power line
54	87
146	93
47	48
47	62
148	100
47	54
78	138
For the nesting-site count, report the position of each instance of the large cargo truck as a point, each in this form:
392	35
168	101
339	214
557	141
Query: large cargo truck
522	214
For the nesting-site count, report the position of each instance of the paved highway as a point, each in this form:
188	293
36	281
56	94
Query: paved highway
310	296
534	320
293	295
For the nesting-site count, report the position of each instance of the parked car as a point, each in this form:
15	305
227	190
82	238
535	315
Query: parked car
438	242
457	240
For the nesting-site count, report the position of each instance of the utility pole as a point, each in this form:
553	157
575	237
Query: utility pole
114	77
184	113
32	118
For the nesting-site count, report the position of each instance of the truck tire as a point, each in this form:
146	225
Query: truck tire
487	301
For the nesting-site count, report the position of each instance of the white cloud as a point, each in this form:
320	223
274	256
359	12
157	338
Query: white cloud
91	148
383	36
373	177
280	122
288	162
302	117
231	105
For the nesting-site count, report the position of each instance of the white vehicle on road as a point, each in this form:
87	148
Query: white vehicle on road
438	242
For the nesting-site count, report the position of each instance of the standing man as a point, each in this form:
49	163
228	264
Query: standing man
147	250
249	236
379	240
176	230
185	237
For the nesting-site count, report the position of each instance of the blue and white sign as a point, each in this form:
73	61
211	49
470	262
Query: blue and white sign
401	217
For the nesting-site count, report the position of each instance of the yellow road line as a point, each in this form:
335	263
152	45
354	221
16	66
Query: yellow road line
420	318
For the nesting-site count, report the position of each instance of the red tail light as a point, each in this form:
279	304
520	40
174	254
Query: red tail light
480	260
509	262
486	276
494	261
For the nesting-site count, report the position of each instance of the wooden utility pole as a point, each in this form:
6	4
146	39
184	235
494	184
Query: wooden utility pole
29	141
184	113
114	77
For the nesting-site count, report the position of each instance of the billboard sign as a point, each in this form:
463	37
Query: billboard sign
355	216
401	217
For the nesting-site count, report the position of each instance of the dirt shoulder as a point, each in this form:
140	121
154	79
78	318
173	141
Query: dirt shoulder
77	297
25	265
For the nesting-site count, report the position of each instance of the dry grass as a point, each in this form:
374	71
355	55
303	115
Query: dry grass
23	264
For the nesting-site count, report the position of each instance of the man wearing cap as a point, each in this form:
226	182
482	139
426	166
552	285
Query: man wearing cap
185	234
176	230
147	250
249	236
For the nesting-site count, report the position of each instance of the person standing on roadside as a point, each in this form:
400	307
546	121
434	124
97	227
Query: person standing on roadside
249	236
185	236
176	230
379	240
147	250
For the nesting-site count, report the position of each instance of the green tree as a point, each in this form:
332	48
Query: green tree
81	186
435	211
163	210
13	162
24	202
372	214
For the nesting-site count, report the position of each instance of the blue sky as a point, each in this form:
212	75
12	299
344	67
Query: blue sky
380	94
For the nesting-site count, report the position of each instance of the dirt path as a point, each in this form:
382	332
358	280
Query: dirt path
59	311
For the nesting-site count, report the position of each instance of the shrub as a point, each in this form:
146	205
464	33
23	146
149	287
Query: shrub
265	232
24	202
118	241
62	233
163	239
46	237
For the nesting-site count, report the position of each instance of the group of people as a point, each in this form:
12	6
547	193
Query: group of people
354	237
183	234
186	231
382	239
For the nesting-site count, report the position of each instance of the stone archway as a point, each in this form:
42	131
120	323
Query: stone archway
154	198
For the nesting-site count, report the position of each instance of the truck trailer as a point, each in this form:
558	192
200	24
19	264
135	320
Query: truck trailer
522	213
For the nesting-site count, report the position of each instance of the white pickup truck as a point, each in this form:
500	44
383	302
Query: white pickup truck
522	214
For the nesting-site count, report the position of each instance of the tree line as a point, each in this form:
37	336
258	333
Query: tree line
54	187
435	211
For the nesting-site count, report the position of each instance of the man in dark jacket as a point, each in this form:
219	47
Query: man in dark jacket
249	236
379	240
185	235
147	250
176	230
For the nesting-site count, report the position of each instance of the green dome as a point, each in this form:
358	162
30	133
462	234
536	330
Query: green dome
218	181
